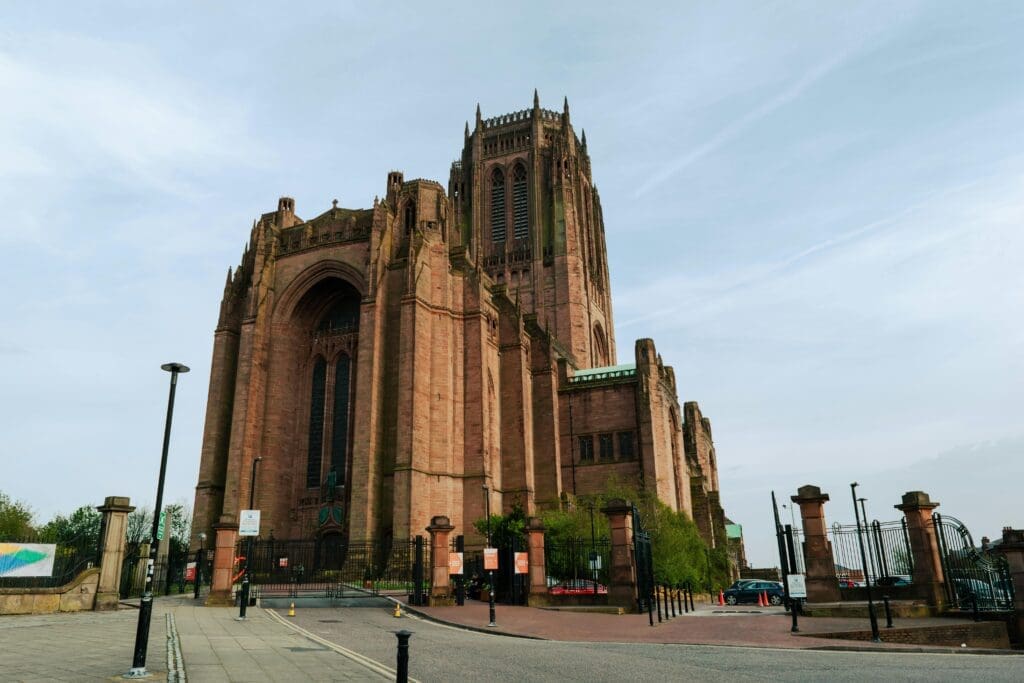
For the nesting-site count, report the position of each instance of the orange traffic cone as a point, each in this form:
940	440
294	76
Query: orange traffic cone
721	598
760	600
766	603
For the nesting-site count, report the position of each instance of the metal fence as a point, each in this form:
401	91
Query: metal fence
976	579
332	567
577	558
173	574
886	548
70	559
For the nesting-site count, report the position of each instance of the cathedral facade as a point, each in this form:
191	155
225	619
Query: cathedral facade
387	364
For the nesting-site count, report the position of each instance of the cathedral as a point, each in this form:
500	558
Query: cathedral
387	364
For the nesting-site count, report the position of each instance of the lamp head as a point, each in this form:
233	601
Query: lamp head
174	367
202	535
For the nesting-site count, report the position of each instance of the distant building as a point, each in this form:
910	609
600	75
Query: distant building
387	363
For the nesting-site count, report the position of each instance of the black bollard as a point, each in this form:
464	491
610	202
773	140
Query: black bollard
402	673
686	603
692	608
888	611
657	598
794	608
669	595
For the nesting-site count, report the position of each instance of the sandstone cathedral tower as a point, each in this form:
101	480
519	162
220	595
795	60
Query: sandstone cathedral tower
387	363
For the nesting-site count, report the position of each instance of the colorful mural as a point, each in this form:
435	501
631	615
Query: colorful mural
26	559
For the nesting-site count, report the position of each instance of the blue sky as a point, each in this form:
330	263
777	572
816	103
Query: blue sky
815	210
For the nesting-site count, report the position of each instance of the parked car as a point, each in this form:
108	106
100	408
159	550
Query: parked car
847	583
577	587
742	582
886	581
749	590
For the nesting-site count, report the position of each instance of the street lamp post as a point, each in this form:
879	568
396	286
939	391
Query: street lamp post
248	545
197	580
138	669
864	560
490	572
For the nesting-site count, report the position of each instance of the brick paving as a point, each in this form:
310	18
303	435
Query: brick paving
709	625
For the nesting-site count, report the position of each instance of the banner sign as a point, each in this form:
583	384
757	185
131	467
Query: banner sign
190	571
249	523
27	559
490	559
455	563
522	563
282	562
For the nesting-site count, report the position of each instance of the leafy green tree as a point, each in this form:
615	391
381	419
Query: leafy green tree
81	528
15	519
504	528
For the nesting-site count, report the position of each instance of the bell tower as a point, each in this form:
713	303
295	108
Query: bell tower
529	215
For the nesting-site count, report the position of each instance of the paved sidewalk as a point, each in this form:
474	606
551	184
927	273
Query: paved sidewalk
709	625
211	645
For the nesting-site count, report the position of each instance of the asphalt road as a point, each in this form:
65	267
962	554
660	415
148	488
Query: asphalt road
443	653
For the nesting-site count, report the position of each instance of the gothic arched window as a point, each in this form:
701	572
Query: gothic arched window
410	217
316	423
498	206
520	204
339	419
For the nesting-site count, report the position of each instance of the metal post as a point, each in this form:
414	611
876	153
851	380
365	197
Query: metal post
198	578
657	598
248	545
871	552
490	572
671	599
138	669
888	611
794	603
402	672
864	560
593	548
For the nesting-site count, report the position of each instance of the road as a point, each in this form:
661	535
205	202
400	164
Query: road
443	653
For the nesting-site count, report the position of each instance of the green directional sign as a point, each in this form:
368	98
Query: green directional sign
160	529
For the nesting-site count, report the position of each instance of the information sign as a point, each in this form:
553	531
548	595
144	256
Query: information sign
797	586
282	562
455	563
490	559
522	563
249	523
190	571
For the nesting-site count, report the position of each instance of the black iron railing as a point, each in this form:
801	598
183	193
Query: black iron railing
976	578
886	546
70	558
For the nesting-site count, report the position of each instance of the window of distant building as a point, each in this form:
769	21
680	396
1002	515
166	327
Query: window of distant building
606	447
497	206
520	204
410	217
586	449
626	451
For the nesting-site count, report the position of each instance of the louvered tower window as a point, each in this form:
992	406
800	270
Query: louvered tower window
316	423
410	217
497	206
520	205
339	421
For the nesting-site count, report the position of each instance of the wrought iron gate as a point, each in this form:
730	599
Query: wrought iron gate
886	549
976	578
644	559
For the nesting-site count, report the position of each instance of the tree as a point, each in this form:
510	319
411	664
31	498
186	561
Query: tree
15	519
81	528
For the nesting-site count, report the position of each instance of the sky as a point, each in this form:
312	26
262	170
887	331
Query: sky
814	209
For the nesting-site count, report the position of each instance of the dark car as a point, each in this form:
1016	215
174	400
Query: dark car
577	587
747	592
886	581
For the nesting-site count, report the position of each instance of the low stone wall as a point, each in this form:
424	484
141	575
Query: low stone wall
76	596
857	610
990	635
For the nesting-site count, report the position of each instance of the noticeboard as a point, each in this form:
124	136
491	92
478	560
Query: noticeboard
522	563
455	563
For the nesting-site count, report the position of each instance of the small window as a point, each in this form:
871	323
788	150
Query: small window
586	449
626	451
606	447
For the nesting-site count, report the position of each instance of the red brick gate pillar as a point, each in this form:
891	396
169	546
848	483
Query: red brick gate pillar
1012	548
622	573
822	582
223	565
115	511
924	546
538	571
440	581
